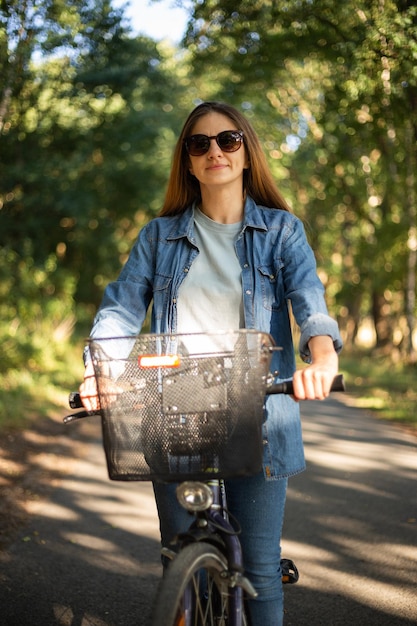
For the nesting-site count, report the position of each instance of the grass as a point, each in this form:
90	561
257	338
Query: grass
29	394
381	386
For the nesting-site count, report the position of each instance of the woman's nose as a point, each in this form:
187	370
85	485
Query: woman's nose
214	148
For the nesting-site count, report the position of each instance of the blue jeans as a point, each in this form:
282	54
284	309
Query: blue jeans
259	507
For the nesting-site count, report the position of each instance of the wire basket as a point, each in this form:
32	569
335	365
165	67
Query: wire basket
178	407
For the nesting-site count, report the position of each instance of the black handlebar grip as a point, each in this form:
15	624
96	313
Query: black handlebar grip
338	383
74	400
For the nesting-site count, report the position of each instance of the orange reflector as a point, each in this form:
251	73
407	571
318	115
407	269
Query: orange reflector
159	360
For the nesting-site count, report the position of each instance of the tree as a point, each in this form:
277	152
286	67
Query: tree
341	79
79	124
88	130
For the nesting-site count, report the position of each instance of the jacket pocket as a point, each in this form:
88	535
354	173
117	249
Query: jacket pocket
161	294
270	278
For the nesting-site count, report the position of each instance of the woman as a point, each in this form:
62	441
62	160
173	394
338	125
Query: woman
226	253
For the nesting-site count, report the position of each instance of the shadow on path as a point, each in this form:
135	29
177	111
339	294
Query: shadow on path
90	554
351	523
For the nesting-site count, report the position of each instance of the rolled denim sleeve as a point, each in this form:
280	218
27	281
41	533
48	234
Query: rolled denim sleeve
318	324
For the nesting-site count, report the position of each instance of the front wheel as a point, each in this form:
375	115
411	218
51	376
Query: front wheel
195	591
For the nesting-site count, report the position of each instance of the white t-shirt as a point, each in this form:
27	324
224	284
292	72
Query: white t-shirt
210	297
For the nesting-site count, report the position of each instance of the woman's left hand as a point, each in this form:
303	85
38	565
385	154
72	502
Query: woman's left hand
314	382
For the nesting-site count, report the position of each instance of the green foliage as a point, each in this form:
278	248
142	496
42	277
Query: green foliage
90	163
36	324
26	395
88	119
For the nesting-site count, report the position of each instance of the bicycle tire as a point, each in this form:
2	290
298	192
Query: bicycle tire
181	600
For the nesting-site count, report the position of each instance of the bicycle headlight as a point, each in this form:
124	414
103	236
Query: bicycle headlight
194	496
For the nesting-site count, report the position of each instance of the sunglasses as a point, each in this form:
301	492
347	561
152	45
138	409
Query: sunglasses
228	141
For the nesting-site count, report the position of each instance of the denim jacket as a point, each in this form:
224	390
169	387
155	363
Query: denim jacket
278	267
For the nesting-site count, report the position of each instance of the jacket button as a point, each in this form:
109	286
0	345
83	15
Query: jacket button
248	292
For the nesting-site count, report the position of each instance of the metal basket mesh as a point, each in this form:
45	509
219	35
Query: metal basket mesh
197	418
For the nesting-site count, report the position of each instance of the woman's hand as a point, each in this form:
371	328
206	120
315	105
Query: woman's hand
314	382
88	389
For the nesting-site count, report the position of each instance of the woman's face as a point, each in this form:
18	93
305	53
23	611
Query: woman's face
217	168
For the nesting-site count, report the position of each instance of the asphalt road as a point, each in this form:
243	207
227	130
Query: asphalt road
90	553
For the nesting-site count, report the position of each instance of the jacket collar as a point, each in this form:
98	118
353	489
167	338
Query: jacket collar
253	217
183	225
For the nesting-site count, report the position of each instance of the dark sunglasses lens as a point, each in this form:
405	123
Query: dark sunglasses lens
197	144
229	141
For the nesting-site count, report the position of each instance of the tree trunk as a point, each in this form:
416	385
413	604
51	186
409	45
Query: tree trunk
382	321
410	293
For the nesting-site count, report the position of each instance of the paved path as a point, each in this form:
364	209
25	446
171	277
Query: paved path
351	522
90	554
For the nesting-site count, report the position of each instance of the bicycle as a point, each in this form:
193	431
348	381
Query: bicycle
189	409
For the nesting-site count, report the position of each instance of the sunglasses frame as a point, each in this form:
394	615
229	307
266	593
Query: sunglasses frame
239	143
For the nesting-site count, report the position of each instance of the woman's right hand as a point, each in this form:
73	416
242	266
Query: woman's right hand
88	389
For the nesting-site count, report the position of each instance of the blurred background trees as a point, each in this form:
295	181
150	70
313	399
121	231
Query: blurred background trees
335	85
89	114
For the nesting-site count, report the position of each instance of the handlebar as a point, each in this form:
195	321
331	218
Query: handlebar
80	415
285	387
75	402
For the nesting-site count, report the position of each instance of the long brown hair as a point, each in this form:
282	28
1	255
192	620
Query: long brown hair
183	188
